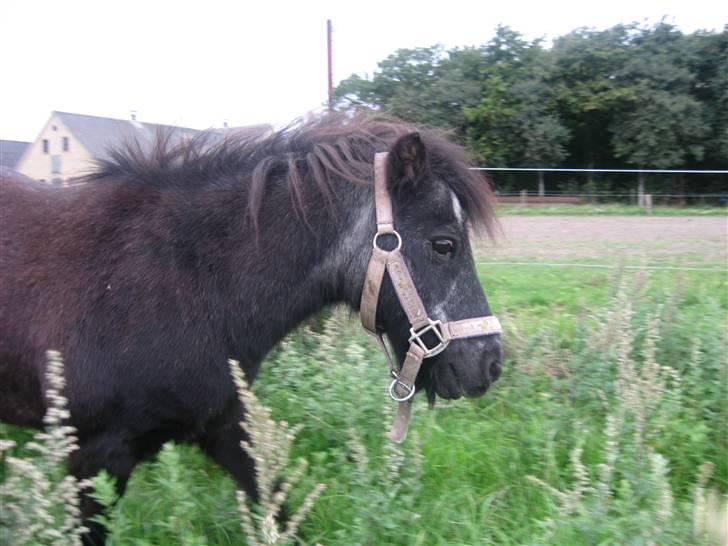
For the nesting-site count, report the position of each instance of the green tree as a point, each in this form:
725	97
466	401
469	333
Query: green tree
659	124
708	60
515	121
586	89
630	94
423	85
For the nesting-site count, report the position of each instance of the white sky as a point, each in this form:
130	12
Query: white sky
198	63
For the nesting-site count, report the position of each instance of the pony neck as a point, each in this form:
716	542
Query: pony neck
294	267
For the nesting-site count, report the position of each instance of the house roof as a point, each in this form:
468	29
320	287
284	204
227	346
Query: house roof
98	134
11	174
10	152
244	131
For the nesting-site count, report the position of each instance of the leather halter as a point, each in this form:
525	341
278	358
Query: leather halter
402	388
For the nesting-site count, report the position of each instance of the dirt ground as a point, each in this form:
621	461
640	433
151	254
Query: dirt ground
649	240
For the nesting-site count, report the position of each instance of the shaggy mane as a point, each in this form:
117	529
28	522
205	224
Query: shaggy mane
317	149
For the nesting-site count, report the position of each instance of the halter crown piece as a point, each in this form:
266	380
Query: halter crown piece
402	388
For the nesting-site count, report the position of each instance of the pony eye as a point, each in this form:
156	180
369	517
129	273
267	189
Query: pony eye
443	246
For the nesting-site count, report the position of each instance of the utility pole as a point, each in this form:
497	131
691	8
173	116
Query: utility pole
330	65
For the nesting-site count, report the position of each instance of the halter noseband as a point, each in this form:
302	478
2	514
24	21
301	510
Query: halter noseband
402	388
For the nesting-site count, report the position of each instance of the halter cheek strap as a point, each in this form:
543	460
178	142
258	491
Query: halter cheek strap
402	388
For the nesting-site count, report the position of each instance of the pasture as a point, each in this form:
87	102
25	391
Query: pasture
611	402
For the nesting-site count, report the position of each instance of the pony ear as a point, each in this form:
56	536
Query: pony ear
407	161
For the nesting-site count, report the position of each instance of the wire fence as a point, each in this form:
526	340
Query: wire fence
631	171
668	187
613	194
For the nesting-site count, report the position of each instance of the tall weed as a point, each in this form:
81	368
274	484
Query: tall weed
627	498
39	502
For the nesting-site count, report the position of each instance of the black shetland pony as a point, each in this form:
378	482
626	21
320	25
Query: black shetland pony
166	263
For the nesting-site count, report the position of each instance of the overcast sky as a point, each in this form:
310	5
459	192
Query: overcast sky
199	63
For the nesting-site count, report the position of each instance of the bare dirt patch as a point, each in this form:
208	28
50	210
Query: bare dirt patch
683	240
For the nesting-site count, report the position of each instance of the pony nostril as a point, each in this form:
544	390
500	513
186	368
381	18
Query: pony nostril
493	362
494	371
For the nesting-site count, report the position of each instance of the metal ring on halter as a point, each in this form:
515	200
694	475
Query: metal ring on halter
393	232
393	396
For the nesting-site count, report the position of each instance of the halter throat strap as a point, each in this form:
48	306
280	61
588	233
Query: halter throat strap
402	388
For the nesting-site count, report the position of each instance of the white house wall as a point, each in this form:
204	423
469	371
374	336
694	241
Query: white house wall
34	163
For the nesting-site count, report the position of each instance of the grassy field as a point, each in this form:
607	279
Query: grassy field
613	395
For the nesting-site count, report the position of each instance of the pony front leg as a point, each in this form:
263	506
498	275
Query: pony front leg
104	452
222	444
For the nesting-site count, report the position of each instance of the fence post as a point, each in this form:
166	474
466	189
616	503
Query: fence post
524	197
541	185
648	203
641	190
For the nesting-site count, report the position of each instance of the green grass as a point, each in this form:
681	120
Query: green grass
536	295
478	454
608	209
473	485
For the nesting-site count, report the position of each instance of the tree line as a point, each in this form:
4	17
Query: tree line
629	96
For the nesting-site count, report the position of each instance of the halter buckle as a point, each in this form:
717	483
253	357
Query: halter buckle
434	326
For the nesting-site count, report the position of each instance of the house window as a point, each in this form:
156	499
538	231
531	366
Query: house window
65	143
55	164
45	145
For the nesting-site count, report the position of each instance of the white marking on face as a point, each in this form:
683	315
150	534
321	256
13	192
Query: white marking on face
457	208
438	312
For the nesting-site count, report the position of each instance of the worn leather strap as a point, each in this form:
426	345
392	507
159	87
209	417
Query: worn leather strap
408	372
402	387
385	218
473	327
370	293
406	291
401	422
